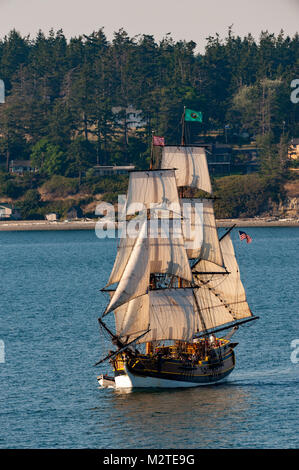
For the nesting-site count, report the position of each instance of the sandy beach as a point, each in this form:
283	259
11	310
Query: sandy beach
27	225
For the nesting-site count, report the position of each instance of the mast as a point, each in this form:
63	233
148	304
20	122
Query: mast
213	263
183	127
200	314
152	152
209	295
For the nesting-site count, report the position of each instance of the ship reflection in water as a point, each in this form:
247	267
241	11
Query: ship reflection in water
187	417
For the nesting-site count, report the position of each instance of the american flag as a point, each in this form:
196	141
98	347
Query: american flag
158	141
244	236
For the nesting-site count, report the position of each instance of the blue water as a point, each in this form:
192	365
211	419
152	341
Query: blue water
49	396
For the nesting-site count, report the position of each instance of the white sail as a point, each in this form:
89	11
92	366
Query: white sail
132	319
191	166
200	230
167	253
192	226
231	288
170	314
147	189
135	278
228	287
126	245
213	312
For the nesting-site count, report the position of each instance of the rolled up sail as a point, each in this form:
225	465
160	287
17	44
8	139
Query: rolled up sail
191	166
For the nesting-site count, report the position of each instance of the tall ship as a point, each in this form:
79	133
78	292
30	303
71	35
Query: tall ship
175	289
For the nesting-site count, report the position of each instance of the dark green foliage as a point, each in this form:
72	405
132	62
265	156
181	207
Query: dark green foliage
29	207
59	186
113	184
246	195
47	157
59	207
60	95
59	90
80	157
10	188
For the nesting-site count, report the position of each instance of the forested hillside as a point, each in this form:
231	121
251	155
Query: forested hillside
60	95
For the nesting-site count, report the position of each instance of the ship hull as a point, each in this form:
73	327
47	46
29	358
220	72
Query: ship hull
145	373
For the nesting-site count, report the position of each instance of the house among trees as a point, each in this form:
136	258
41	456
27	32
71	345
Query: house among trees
219	159
110	170
245	158
223	159
293	150
21	166
7	211
74	212
52	217
130	117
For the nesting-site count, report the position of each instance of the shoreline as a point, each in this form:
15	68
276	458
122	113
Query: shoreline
38	225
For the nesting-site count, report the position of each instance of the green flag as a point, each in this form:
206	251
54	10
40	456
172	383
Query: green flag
193	116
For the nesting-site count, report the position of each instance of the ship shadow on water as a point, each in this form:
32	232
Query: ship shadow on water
180	418
222	415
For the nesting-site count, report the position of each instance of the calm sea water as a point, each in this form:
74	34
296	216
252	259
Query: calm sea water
49	396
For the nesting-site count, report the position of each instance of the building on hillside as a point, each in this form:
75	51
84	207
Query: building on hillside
245	158
110	170
293	150
21	166
52	217
225	159
74	212
132	117
7	211
219	157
